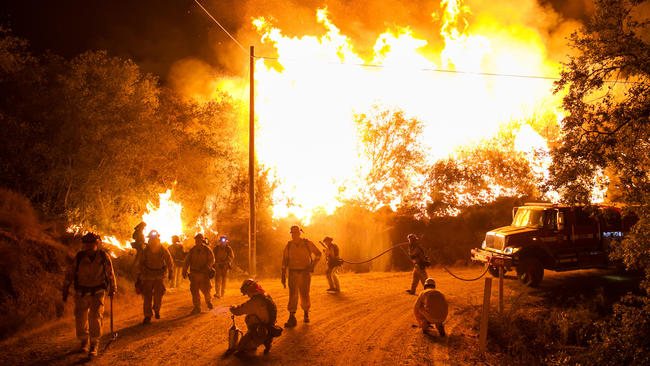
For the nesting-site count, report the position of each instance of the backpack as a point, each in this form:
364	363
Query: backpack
78	258
274	330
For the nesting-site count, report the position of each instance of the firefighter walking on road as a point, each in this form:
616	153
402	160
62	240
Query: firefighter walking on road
298	260
178	255
91	272
154	262
420	263
223	257
261	313
333	262
431	308
199	262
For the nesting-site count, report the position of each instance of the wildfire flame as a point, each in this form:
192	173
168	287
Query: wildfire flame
306	98
166	218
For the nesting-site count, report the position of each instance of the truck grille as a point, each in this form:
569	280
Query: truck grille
493	241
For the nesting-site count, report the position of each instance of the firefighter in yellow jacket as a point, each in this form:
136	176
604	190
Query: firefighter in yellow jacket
91	272
261	314
420	263
299	258
199	261
154	262
223	257
431	308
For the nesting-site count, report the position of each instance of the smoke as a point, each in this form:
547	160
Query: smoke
363	20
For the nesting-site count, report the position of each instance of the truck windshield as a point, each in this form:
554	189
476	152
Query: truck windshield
528	217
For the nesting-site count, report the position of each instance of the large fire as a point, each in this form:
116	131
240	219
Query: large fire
306	99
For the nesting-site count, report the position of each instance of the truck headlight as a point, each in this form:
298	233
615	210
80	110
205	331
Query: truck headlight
510	250
483	245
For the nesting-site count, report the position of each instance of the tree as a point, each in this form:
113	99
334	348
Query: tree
607	126
478	175
391	144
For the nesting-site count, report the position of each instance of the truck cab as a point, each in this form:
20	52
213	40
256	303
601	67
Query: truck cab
551	236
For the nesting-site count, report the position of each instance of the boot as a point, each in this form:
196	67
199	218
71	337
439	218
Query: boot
292	322
157	315
196	311
306	320
147	320
267	346
441	329
85	346
209	305
412	292
94	349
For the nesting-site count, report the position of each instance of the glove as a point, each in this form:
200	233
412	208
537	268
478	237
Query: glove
232	307
184	274
111	292
65	294
284	279
171	276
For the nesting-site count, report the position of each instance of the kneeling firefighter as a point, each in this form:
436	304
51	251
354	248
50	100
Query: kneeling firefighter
431	308
261	313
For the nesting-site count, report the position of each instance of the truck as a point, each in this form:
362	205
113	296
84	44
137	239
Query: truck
553	237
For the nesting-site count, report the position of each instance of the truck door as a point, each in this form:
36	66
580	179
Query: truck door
587	240
559	239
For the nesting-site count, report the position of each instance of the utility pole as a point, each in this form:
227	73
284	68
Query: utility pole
251	169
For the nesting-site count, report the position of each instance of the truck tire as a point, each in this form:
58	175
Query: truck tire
530	271
494	271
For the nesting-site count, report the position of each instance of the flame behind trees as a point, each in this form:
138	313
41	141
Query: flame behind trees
93	139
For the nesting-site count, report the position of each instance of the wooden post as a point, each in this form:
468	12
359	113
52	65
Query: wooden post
500	289
482	339
251	168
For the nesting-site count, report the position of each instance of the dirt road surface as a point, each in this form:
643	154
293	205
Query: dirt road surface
368	323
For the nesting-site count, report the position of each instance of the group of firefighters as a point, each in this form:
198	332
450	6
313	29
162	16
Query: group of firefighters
93	277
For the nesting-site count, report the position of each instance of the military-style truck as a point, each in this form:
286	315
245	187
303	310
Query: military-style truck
552	236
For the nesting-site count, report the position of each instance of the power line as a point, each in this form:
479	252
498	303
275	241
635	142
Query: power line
221	26
447	71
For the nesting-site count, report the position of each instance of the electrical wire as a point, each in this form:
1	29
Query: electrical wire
221	26
458	72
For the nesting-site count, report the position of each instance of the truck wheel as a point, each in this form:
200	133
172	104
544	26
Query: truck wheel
494	271
530	272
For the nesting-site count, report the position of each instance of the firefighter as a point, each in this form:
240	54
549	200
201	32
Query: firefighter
91	272
199	261
178	255
420	263
223	257
298	260
431	308
333	262
261	313
138	237
154	262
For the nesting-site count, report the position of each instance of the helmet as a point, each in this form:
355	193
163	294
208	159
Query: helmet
246	285
429	283
327	239
175	239
412	237
223	239
90	237
153	234
199	236
295	228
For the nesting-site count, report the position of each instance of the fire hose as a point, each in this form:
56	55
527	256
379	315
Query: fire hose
487	265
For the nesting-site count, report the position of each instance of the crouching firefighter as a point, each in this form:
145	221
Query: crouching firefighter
431	308
93	277
261	315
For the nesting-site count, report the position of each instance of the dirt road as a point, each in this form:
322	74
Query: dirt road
369	323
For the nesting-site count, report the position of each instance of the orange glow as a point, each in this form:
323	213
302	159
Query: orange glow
166	219
306	98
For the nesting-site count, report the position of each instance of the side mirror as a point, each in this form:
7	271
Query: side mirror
560	220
